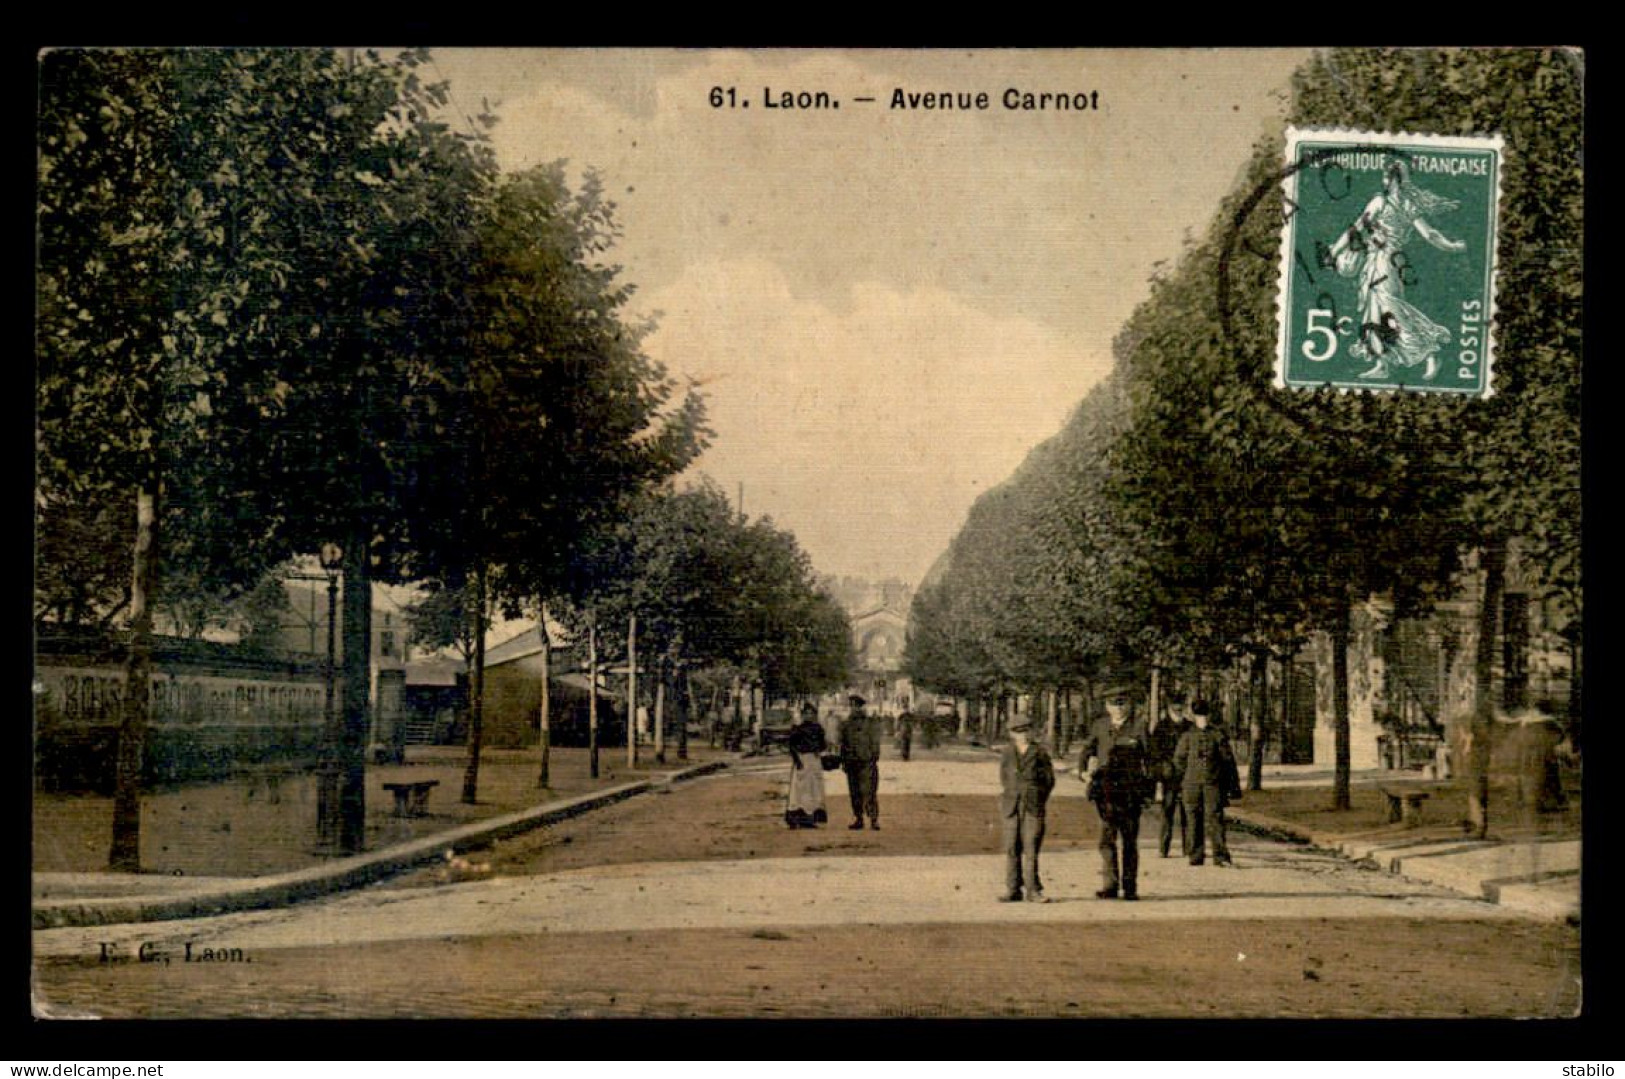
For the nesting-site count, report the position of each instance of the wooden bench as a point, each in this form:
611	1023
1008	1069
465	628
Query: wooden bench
412	799
1405	806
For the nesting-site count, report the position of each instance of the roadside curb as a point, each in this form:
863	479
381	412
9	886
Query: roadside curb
341	874
1552	895
1269	827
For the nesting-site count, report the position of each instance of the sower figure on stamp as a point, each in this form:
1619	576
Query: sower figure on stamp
1026	777
860	760
1209	779
1112	765
1162	736
1392	330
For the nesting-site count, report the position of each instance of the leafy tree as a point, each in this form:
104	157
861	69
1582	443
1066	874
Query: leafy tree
81	557
1513	461
1210	515
710	589
441	619
247	263
130	312
557	419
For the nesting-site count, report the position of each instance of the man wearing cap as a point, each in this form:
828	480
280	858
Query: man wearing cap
1207	769
1026	777
860	760
1162	736
1112	765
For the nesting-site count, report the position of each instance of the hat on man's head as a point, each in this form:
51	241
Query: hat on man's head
856	701
809	709
1176	696
1021	723
1117	691
1199	707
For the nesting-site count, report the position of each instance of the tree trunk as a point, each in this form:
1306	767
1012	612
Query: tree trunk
1287	666
1340	701
357	691
1068	722
543	779
1493	560
1255	727
125	853
632	692
1053	719
685	709
592	700
1576	699
1154	715
328	814
660	712
476	712
713	713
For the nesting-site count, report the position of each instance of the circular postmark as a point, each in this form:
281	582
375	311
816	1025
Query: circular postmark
1384	268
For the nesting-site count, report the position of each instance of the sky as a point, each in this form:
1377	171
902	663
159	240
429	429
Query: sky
885	308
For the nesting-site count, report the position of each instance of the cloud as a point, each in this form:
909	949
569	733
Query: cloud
887	308
868	431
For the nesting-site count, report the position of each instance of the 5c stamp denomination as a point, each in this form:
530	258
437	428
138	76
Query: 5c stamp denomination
1388	261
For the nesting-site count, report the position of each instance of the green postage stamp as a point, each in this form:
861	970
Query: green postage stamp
1388	261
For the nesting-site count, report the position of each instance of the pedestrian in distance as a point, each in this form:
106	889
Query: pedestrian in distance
1209	779
860	760
1112	765
929	729
805	805
1162	739
1026	777
905	731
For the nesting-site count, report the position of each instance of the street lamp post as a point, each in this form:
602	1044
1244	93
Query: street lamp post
327	790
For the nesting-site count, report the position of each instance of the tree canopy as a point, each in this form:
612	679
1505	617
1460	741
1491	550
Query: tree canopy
1189	508
711	588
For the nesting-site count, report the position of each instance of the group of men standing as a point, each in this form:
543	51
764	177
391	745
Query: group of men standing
1188	768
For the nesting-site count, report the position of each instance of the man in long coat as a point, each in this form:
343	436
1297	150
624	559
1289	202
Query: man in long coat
860	760
1026	777
1209	779
1112	764
1163	737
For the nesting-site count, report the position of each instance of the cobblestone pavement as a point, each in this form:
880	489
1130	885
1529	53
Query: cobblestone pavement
1283	968
1271	881
819	932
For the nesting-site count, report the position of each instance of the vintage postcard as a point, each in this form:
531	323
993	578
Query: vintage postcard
808	533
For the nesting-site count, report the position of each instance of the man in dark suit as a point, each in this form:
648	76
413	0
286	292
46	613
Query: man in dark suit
1162	738
1209	778
860	760
1112	765
1026	777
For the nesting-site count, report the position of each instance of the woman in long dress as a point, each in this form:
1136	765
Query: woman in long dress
805	807
1392	330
